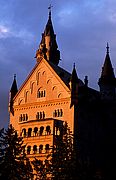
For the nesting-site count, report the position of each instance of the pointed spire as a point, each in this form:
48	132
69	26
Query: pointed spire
14	88
107	81
74	77
13	92
48	48
74	87
107	70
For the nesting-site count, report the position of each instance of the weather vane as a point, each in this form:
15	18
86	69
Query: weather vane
50	7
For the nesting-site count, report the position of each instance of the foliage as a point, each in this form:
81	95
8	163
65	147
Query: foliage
13	161
64	162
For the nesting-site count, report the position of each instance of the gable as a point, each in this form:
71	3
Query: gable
42	84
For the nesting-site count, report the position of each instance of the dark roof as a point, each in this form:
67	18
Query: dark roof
63	74
107	70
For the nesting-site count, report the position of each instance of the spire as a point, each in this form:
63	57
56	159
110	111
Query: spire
13	92
107	81
74	87
107	74
48	48
14	88
74	77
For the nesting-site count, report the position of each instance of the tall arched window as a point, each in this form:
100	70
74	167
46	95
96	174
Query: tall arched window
28	149
48	130
29	132
27	96
32	87
24	132
40	148
47	148
38	77
34	149
41	130
35	131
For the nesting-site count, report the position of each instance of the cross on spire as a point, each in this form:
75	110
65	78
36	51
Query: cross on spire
50	7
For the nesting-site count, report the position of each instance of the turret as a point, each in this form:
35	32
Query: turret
13	92
107	81
48	48
74	87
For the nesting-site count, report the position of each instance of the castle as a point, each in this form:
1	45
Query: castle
50	96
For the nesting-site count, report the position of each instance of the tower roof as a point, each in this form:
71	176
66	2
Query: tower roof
74	77
14	85
48	45
107	74
107	69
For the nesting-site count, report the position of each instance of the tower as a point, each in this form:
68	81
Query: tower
48	45
13	92
107	81
42	103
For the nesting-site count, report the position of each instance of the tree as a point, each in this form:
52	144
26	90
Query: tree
58	163
13	161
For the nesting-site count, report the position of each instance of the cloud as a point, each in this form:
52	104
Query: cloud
4	31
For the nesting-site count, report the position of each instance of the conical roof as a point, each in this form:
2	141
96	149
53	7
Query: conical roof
107	74
14	88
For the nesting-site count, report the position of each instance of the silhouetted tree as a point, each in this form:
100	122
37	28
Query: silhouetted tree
13	161
64	162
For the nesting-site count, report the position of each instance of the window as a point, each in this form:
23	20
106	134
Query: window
35	131
58	113
48	130
47	148
40	148
34	149
41	93
28	149
41	130
29	132
40	115
24	132
23	117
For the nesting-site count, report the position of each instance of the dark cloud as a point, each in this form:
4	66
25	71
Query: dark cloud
83	28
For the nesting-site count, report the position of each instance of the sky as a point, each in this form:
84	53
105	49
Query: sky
83	28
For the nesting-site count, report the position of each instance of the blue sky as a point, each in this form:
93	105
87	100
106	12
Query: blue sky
83	28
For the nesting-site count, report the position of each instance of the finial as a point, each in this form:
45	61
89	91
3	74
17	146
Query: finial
107	47
14	76
74	66
50	7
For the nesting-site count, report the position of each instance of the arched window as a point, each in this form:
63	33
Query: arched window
32	87
35	131
41	93
24	132
41	130
40	148
28	149
48	130
29	132
47	148
34	149
27	96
